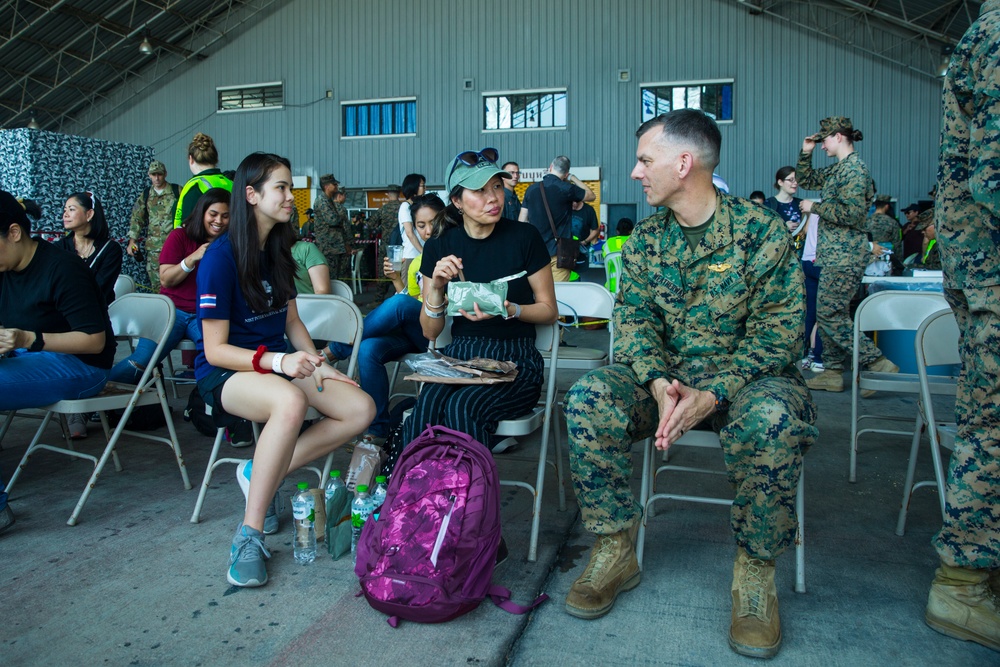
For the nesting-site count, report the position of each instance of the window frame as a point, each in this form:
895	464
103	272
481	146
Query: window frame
344	104
686	84
540	92
251	86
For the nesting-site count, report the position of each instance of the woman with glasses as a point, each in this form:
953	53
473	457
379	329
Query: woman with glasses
475	241
786	204
246	307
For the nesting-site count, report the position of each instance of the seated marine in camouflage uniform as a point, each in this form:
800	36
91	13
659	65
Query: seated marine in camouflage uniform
708	324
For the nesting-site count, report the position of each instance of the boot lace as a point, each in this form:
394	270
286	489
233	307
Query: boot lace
753	596
604	553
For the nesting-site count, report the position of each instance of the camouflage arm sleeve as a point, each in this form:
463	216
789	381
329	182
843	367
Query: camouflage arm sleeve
639	329
138	219
848	205
807	177
775	325
984	159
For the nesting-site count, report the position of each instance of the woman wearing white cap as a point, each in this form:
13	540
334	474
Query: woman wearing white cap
476	241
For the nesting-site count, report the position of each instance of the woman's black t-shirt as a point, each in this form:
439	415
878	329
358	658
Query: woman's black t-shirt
57	293
511	248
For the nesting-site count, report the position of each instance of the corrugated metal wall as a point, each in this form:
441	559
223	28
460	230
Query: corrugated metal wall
786	79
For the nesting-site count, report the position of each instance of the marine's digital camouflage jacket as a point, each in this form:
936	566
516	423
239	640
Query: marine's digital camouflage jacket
717	318
967	208
329	225
847	192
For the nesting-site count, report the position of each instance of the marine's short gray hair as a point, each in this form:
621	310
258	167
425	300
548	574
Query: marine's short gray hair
691	127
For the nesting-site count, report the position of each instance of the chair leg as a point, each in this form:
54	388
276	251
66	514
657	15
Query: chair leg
645	491
911	469
31	447
6	424
560	467
536	519
220	433
852	476
109	452
107	438
174	442
800	542
939	471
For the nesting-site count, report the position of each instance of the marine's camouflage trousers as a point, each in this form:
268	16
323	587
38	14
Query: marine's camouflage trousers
970	536
764	435
837	286
340	266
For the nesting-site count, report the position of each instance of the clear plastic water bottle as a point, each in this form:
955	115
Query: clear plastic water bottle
304	513
361	509
378	494
332	484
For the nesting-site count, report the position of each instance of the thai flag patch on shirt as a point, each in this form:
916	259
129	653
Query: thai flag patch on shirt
207	301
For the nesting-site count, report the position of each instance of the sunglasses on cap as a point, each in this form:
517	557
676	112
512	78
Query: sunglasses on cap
472	158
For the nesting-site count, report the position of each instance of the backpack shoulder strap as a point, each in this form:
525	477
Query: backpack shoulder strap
501	598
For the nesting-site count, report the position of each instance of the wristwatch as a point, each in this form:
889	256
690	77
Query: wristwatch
517	312
39	343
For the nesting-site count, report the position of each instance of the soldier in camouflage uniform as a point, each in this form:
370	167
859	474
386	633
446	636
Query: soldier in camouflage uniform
841	247
329	225
386	219
708	322
930	258
963	600
153	218
882	228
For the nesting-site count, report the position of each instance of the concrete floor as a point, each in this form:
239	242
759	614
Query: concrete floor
135	583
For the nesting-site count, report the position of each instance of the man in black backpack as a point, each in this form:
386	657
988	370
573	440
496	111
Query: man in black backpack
153	219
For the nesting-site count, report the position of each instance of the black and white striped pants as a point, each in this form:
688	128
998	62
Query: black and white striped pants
477	409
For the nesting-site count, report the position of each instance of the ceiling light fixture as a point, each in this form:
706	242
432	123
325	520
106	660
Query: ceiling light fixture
146	48
33	124
945	60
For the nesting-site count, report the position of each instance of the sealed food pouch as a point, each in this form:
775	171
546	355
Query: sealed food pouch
464	295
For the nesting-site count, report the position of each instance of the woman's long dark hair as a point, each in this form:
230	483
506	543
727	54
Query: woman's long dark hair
253	172
431	201
450	216
194	224
98	224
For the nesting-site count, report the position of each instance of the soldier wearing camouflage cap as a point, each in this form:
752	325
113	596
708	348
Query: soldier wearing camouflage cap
842	250
708	326
963	600
152	220
330	227
882	227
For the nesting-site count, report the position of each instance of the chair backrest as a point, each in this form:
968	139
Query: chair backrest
613	270
340	288
937	340
124	284
330	317
587	300
143	316
137	315
895	310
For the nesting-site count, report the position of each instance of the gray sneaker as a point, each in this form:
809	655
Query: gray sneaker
272	522
246	558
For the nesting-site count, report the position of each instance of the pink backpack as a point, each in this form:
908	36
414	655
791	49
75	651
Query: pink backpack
430	556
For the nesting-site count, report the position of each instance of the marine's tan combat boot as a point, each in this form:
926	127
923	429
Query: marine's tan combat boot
756	629
961	605
880	365
613	568
828	380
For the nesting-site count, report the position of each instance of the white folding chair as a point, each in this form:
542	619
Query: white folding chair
887	311
356	258
613	271
340	288
132	315
124	284
547	342
326	317
710	440
936	345
578	300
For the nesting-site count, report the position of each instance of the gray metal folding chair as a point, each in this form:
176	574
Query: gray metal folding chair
710	440
132	315
887	311
936	345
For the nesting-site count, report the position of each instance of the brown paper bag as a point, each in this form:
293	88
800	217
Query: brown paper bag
366	463
319	501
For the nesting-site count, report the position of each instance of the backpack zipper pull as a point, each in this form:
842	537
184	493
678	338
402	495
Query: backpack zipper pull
441	533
